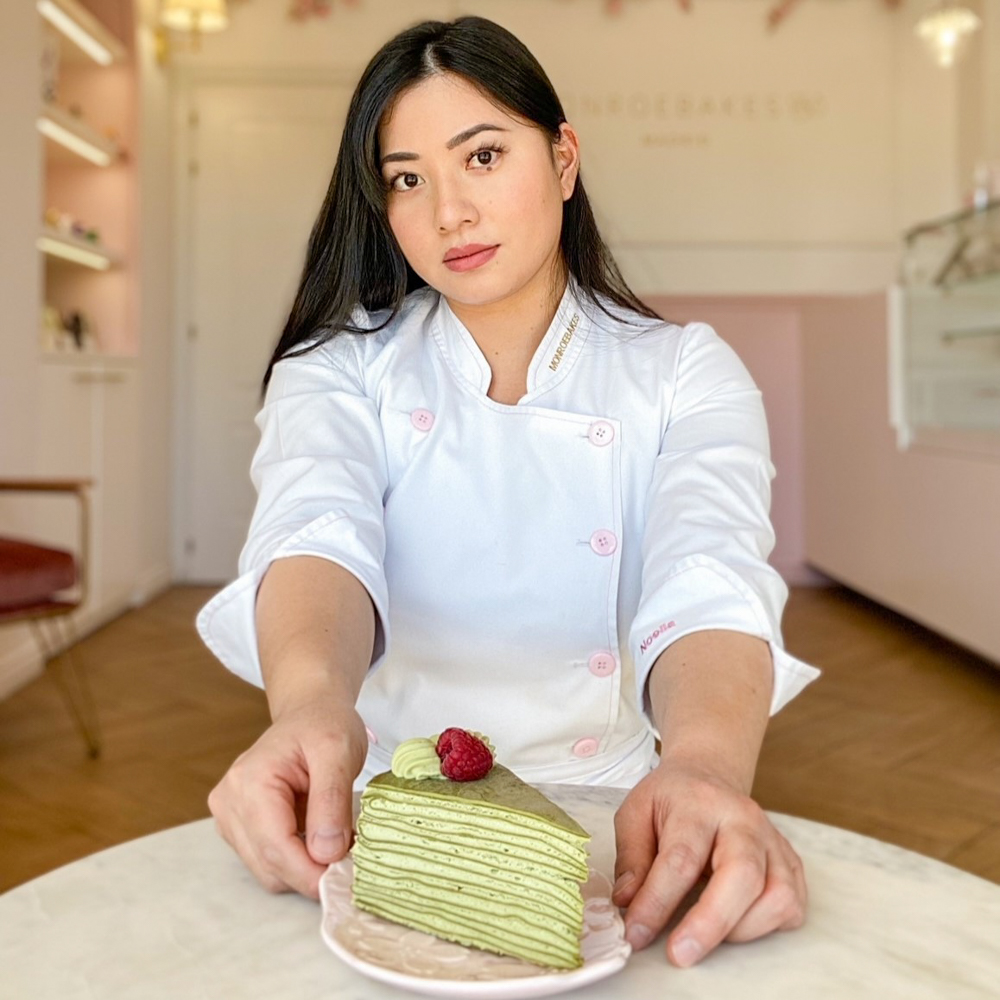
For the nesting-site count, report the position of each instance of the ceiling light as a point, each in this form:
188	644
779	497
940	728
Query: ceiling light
194	15
946	29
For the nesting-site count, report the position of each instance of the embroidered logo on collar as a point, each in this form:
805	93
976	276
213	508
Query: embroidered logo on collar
564	343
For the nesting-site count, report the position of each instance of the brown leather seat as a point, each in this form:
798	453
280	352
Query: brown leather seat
41	586
31	576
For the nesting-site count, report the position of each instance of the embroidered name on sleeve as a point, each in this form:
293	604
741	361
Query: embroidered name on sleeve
657	632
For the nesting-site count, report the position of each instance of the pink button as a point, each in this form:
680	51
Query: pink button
586	747
601	433
603	542
372	738
423	420
603	664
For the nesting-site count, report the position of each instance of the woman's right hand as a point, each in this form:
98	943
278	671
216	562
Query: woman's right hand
284	805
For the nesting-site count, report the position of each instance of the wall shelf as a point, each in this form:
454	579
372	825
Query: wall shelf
83	30
76	251
71	138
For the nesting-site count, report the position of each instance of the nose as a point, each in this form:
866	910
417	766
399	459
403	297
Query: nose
453	208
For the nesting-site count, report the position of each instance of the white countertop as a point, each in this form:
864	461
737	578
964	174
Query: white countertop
177	915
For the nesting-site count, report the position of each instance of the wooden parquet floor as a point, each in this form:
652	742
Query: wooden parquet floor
900	739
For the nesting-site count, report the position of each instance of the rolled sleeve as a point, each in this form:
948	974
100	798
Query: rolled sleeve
320	474
708	531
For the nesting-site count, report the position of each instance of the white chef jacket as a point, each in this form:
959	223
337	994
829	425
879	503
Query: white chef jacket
527	563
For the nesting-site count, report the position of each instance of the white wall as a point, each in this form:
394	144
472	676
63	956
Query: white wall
705	201
20	276
156	310
20	201
991	85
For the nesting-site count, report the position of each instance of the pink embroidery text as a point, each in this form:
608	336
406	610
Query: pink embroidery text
657	632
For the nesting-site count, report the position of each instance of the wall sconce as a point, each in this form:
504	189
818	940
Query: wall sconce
946	29
192	17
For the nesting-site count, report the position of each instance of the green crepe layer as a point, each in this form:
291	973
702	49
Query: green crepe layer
459	930
509	838
466	871
508	915
491	864
523	864
454	877
501	793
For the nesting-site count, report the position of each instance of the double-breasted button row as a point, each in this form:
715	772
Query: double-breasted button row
603	663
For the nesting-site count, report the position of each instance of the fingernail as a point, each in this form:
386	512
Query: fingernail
687	951
622	881
327	844
638	935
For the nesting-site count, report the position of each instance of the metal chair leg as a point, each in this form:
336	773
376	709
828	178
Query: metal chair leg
71	679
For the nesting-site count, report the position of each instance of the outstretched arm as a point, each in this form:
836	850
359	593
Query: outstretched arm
285	804
710	694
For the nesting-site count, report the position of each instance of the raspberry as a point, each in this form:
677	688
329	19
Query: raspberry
464	757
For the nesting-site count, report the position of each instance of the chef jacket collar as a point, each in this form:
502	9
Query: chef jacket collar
552	361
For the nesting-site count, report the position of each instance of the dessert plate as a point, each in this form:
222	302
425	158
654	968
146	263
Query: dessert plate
420	962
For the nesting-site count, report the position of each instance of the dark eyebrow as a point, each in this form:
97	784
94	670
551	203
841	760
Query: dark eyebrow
450	144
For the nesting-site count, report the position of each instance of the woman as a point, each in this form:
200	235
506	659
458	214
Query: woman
497	491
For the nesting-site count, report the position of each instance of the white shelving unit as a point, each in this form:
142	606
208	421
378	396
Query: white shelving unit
85	125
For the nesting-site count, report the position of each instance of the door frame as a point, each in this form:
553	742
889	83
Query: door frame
188	83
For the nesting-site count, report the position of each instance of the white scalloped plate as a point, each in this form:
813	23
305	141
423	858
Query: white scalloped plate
416	961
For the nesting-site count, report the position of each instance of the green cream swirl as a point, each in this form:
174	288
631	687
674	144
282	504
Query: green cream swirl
415	759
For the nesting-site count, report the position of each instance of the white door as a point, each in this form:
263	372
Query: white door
262	156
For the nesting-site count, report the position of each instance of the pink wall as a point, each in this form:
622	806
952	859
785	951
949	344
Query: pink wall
916	530
766	332
103	198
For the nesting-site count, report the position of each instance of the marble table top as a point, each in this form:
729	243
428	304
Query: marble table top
177	915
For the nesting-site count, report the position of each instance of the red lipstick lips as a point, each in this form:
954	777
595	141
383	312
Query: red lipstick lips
470	256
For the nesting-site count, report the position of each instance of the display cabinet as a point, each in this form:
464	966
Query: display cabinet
944	333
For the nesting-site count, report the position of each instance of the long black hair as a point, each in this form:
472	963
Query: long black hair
353	257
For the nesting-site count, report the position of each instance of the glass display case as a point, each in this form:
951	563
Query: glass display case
944	328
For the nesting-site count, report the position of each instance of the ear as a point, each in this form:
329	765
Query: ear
567	159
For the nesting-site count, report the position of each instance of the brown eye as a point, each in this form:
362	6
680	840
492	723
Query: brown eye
487	157
404	182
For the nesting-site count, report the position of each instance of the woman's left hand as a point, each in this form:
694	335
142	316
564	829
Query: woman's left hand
680	822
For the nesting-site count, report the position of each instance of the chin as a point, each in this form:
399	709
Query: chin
479	289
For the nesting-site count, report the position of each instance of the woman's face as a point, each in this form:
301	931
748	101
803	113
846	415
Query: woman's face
475	196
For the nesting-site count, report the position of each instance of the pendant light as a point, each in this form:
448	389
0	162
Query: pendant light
945	29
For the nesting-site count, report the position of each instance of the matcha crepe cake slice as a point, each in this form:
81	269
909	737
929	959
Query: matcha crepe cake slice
452	844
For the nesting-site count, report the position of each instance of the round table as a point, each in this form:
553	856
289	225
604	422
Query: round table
176	914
